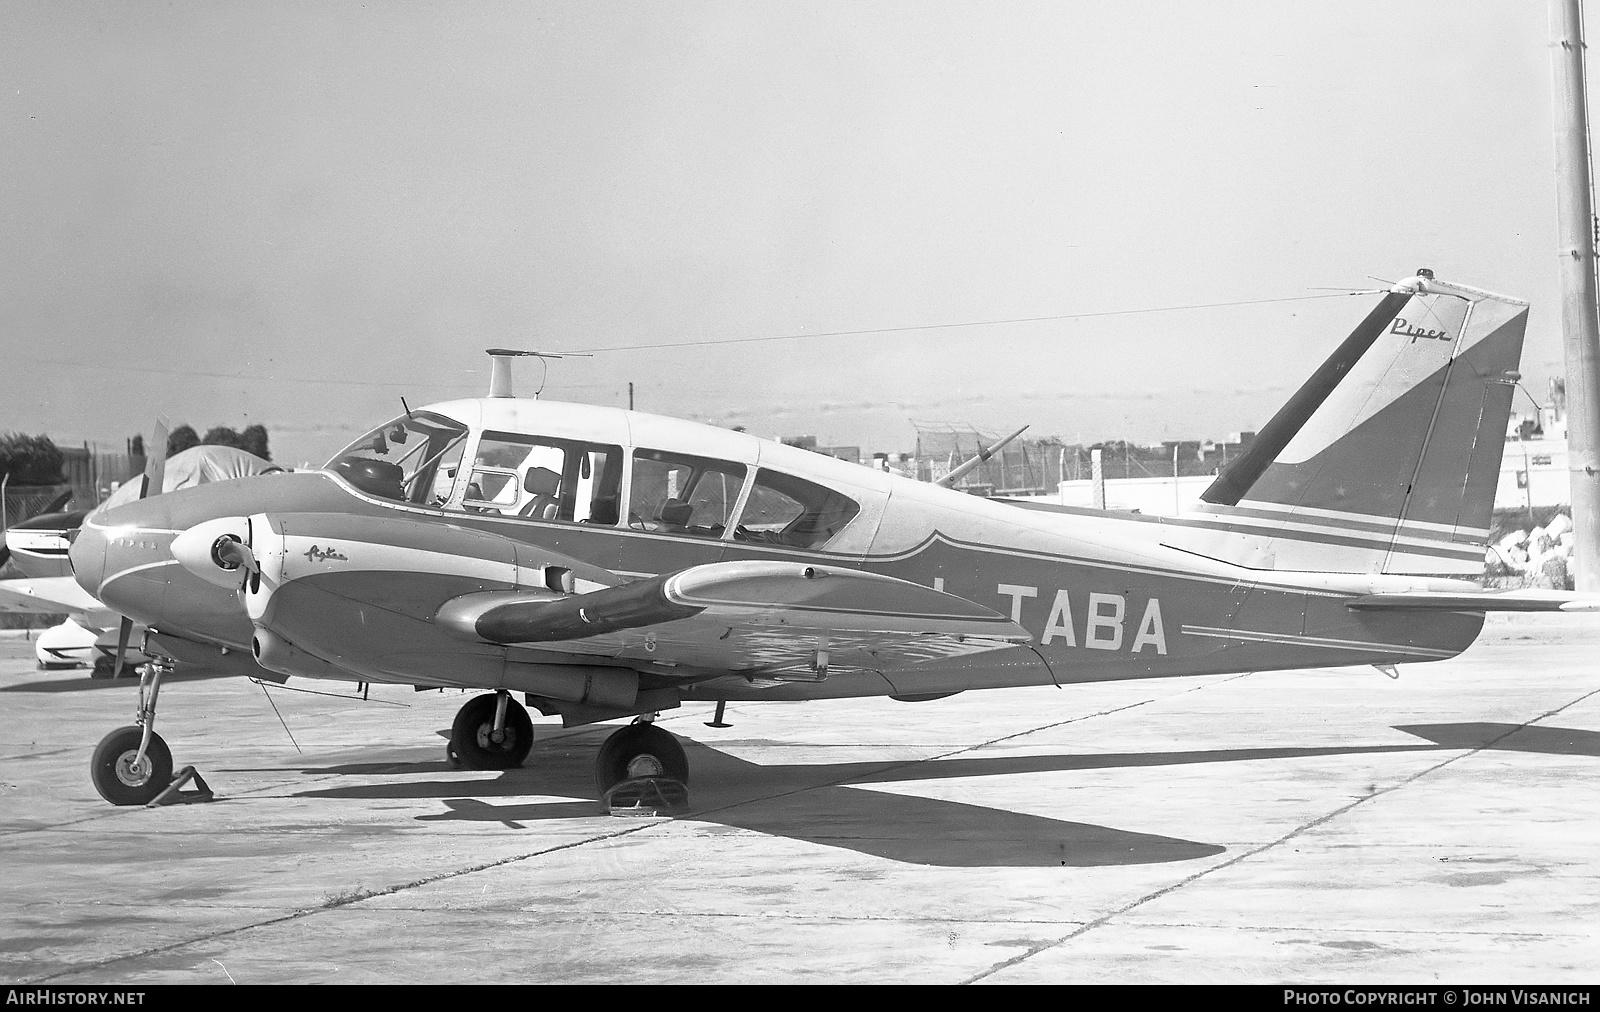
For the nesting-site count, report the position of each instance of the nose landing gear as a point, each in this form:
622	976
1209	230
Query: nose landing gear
132	765
127	771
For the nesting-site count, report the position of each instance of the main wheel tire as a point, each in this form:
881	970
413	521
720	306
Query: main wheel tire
470	735
639	750
112	767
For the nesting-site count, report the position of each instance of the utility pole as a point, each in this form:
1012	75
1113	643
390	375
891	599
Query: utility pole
1580	330
630	395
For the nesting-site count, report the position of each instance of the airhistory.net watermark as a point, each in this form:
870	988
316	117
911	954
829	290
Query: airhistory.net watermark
70	996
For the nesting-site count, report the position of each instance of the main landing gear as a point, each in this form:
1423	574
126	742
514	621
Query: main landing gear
491	732
132	765
640	769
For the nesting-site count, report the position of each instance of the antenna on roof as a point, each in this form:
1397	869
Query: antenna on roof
500	371
960	470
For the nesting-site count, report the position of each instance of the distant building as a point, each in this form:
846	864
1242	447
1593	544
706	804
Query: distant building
850	453
1533	472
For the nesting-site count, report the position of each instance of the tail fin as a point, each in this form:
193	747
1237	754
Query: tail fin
1387	459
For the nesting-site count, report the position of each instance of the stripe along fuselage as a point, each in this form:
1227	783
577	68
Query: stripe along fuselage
607	563
1102	596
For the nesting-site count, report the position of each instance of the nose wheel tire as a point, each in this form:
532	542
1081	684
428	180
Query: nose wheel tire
639	751
116	776
472	738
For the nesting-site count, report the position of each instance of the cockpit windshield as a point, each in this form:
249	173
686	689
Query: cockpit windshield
410	459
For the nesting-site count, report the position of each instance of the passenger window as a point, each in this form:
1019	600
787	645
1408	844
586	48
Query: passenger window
542	478
674	493
790	511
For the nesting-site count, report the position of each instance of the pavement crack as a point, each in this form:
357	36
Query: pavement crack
335	904
1246	855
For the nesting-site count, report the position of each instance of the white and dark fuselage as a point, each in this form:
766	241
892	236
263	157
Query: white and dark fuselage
606	563
361	577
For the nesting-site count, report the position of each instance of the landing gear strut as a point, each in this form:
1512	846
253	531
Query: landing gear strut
642	769
491	732
132	765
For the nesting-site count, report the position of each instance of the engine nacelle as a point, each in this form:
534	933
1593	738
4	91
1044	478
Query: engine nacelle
277	654
611	688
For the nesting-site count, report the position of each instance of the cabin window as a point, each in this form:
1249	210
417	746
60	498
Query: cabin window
410	459
543	478
674	493
790	511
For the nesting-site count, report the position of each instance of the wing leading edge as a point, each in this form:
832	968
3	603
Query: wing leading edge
50	595
768	618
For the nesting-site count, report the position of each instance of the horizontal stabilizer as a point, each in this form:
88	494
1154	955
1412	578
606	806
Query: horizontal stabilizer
1487	600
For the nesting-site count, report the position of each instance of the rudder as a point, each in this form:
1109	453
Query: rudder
1388	458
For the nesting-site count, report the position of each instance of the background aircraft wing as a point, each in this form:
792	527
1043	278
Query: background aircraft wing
1488	600
754	618
53	595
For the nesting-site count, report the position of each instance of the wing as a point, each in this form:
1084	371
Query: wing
1488	600
772	619
54	595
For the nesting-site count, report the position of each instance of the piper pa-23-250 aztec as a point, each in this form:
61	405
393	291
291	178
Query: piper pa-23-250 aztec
608	564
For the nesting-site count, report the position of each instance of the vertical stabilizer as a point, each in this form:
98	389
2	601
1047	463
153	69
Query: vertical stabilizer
1387	460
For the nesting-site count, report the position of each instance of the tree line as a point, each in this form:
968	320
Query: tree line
36	460
252	440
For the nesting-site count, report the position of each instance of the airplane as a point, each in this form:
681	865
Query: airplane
39	544
608	564
38	547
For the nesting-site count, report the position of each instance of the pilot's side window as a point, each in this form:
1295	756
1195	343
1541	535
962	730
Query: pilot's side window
675	493
793	512
544	478
410	459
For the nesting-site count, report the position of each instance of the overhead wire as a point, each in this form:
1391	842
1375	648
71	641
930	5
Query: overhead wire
708	342
969	323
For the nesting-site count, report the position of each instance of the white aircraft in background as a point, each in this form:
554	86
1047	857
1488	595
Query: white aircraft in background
38	546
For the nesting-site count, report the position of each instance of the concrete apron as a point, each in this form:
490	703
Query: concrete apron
1310	826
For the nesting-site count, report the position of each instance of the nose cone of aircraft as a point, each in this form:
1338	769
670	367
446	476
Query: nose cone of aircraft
88	557
121	556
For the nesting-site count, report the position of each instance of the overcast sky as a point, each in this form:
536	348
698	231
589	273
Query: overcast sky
296	213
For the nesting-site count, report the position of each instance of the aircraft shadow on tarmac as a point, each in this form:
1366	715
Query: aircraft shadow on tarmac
811	802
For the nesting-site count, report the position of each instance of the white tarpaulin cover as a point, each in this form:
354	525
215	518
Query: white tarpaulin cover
196	466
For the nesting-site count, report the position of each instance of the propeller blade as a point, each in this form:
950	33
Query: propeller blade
124	631
59	501
5	556
155	467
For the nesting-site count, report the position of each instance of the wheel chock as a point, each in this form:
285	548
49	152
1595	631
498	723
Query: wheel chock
175	795
647	796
